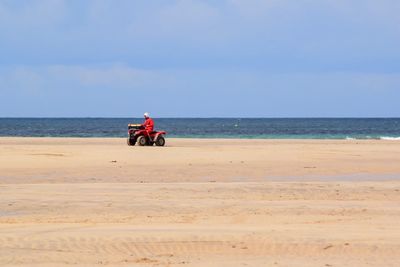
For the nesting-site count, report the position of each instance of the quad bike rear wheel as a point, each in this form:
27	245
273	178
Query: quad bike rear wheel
142	141
160	141
130	142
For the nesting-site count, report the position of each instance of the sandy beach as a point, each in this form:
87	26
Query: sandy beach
199	202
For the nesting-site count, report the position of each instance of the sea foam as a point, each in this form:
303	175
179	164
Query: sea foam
389	138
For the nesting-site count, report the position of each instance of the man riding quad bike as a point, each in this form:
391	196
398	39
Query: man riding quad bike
144	134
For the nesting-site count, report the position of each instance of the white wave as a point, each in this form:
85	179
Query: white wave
389	138
350	138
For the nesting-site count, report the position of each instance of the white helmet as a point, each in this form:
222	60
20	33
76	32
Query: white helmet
146	114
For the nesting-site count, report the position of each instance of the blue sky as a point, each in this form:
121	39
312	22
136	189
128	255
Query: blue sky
192	58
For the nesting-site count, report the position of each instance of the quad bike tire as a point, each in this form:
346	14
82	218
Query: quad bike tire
142	141
130	143
160	141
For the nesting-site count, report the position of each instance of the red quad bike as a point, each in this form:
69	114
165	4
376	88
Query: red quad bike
137	134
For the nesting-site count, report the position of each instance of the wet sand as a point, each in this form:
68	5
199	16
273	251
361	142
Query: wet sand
88	202
69	160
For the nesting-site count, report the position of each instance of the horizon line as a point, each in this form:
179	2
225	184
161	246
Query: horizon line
99	117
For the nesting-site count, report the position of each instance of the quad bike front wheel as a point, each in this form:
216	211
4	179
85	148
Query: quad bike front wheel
160	141
142	141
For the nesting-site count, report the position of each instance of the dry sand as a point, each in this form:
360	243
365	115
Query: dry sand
87	202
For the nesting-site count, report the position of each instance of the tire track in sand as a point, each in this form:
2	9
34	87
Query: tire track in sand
118	249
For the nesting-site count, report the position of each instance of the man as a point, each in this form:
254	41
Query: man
148	123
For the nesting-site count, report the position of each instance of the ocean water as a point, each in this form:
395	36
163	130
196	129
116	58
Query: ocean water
268	128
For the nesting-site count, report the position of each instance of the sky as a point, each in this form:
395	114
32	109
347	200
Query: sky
193	58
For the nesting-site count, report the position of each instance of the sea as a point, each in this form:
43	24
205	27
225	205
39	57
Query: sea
249	128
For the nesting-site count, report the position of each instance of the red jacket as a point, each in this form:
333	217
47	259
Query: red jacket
148	125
